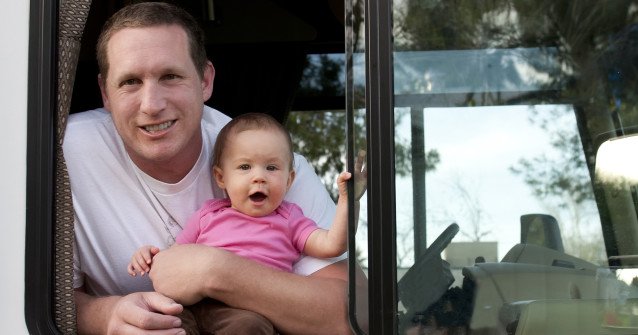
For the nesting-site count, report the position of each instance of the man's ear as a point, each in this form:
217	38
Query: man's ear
207	81
291	178
218	173
105	97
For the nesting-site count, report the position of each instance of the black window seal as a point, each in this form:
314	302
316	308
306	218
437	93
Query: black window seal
379	90
42	62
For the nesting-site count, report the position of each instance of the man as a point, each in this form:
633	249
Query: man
141	166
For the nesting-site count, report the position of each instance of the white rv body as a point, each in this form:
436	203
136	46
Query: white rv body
14	37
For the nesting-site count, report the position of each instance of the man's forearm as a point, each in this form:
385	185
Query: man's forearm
92	312
294	304
315	304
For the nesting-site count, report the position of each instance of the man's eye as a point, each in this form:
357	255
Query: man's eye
129	82
170	76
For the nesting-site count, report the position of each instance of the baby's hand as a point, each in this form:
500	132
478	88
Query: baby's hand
141	260
360	178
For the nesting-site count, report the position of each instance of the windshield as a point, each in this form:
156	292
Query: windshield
504	111
515	194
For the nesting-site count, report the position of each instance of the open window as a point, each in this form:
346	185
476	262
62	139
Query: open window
260	49
484	123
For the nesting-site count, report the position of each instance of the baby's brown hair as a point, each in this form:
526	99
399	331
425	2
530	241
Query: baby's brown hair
249	121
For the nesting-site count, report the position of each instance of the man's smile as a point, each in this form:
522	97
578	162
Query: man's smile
158	127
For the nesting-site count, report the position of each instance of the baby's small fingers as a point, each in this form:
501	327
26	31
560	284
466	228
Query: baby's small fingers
140	270
146	256
130	270
154	251
343	176
139	264
139	258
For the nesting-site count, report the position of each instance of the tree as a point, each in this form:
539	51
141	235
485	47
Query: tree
592	53
321	135
472	209
561	182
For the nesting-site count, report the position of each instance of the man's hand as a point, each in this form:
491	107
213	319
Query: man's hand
136	313
145	311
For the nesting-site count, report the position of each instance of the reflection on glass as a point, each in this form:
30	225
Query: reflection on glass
617	178
614	166
515	101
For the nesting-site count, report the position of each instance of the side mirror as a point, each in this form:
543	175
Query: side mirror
617	183
541	229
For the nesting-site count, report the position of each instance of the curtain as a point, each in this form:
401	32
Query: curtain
72	19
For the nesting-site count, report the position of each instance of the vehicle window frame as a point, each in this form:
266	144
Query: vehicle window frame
379	105
39	264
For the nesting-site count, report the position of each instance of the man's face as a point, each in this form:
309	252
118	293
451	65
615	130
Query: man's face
156	98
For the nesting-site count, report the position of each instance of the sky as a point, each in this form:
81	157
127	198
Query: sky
476	154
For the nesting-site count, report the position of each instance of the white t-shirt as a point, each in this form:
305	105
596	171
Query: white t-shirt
119	208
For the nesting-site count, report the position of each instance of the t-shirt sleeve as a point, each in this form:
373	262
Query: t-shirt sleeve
78	275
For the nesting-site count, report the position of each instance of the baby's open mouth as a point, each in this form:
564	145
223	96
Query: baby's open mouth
257	196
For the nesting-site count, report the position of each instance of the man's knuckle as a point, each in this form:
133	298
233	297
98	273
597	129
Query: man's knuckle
145	322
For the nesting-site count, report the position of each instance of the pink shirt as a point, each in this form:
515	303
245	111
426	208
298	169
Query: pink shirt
275	240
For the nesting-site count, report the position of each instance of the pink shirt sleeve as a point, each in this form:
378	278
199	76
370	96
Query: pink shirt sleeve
300	226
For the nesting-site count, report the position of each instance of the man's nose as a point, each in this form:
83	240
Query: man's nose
152	99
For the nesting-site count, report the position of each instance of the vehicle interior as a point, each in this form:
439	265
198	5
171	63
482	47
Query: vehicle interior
258	48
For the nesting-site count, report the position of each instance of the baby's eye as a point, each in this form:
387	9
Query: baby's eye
271	168
244	167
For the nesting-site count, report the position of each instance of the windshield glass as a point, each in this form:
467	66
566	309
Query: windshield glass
502	225
514	171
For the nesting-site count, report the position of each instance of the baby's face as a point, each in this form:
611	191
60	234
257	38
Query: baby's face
255	171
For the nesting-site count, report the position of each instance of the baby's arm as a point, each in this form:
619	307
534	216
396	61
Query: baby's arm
141	260
331	243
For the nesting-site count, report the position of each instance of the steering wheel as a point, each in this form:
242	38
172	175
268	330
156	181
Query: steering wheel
442	240
429	278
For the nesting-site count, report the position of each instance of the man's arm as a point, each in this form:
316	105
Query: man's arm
135	313
315	304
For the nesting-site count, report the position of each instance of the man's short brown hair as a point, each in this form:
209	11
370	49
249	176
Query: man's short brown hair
149	14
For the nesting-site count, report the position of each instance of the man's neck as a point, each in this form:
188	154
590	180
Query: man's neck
174	170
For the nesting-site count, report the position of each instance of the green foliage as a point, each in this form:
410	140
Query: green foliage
564	177
320	136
